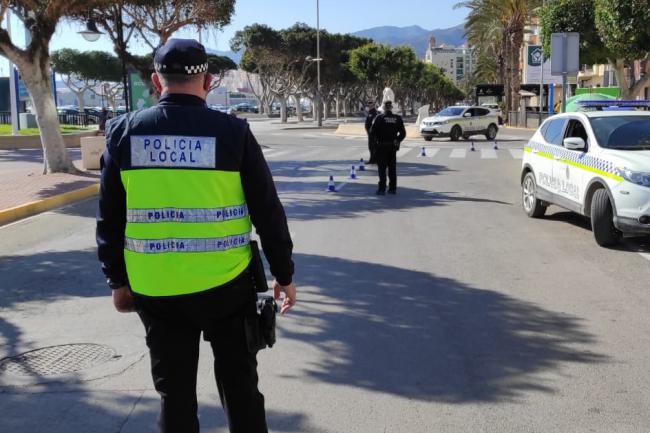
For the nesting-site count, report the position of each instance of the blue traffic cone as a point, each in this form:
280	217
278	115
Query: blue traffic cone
423	152
496	146
473	149
353	173
330	185
362	166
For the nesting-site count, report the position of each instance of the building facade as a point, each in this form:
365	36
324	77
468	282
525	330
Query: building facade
457	63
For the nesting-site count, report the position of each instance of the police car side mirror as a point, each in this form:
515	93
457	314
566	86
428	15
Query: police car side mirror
574	143
467	114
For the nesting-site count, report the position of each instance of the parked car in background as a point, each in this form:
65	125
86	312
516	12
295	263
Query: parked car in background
494	108
460	121
245	108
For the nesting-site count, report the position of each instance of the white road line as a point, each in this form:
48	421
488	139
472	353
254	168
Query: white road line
280	153
430	152
458	153
645	255
404	151
309	153
488	154
353	153
516	153
340	186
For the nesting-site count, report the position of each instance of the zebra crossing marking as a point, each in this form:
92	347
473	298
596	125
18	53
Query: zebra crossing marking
517	153
355	152
404	151
458	153
430	152
488	154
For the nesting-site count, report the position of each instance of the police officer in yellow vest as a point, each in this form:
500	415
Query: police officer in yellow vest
181	185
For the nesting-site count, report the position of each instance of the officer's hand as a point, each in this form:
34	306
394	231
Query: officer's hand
289	295
123	300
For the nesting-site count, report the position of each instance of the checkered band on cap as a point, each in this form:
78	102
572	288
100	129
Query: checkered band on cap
196	69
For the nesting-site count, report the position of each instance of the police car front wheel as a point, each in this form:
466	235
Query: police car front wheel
602	220
491	132
533	207
455	133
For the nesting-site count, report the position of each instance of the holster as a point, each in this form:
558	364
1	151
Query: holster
260	324
260	327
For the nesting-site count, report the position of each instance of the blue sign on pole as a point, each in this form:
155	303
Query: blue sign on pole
23	94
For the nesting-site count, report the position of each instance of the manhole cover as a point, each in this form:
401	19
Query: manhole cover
66	358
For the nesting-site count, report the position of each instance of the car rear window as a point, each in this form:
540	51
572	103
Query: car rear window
554	131
622	132
451	111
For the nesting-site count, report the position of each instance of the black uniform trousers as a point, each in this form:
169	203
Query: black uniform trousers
173	329
387	159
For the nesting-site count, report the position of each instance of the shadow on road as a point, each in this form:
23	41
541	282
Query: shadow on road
426	337
68	408
309	201
633	244
71	406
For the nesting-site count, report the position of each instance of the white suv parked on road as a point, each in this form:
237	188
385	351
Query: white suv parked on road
596	164
460	121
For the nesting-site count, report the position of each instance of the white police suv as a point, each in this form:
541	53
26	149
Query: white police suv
460	121
596	164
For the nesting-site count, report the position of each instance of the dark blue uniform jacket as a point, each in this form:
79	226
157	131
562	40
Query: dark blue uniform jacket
237	149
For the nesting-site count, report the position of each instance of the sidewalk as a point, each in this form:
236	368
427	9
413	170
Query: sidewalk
22	183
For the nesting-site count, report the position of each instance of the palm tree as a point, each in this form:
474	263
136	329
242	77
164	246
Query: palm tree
495	29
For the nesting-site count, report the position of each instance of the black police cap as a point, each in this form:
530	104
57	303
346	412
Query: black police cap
181	56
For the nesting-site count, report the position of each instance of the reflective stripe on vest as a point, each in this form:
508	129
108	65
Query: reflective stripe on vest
187	230
197	215
156	246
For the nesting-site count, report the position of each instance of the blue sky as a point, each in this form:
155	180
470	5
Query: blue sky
340	16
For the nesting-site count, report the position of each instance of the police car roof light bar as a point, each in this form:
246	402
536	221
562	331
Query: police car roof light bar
612	103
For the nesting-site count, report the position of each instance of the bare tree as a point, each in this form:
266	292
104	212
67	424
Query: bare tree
40	18
155	21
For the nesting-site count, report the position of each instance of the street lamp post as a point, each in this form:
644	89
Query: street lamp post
541	80
92	34
318	60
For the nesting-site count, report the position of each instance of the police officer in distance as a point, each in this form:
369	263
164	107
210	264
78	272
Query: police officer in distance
370	117
180	187
387	132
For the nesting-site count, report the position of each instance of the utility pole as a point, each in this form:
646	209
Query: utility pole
12	86
541	80
319	111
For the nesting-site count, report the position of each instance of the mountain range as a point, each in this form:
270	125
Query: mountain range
413	36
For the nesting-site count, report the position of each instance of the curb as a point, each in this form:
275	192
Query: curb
519	128
29	209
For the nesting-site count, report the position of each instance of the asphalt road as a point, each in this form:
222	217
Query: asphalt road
441	309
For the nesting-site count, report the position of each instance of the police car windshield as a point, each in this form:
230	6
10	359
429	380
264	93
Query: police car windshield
451	111
622	132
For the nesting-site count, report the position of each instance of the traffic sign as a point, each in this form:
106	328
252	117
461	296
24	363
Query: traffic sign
565	53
